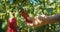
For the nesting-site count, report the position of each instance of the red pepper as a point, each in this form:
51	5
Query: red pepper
25	15
12	25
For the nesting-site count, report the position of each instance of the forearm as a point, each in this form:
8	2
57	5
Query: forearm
50	19
54	18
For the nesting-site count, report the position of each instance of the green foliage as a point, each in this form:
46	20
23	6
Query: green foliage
46	7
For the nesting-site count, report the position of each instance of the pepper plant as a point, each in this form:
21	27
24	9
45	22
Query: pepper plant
33	8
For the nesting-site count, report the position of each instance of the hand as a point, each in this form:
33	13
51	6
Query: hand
35	22
29	23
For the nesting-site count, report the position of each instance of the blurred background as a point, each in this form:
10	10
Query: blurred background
33	8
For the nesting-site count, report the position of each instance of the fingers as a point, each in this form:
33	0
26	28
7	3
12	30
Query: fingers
30	19
30	24
35	22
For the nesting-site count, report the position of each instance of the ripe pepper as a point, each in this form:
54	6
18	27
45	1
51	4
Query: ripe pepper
25	15
12	24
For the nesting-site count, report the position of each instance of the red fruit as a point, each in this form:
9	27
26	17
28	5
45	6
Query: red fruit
12	25
25	15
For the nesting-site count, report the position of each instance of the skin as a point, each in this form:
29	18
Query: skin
41	20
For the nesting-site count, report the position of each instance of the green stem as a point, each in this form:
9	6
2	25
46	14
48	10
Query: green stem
5	5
